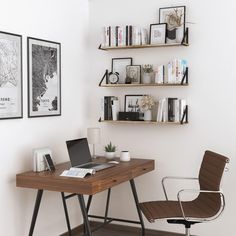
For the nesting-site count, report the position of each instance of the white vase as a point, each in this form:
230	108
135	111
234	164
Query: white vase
148	115
110	155
147	78
179	35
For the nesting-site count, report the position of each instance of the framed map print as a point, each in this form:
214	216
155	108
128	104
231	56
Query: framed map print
44	78
10	76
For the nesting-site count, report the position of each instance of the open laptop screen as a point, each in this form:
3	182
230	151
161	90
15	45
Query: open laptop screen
78	150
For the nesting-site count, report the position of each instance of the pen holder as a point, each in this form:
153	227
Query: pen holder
124	156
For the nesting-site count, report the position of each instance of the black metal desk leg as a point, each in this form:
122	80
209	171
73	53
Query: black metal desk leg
107	204
137	205
85	214
36	209
66	213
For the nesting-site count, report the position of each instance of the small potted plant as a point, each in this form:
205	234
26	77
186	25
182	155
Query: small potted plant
146	104
147	74
110	151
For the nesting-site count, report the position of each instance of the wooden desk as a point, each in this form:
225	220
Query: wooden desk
103	180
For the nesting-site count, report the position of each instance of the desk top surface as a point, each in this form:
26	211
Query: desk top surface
102	180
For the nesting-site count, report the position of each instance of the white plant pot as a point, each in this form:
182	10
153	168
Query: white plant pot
147	78
148	115
110	155
179	35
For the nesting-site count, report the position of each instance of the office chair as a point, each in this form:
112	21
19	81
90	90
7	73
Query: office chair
208	205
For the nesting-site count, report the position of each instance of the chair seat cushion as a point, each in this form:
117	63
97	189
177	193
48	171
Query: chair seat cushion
171	210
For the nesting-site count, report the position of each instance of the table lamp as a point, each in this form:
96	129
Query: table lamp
94	137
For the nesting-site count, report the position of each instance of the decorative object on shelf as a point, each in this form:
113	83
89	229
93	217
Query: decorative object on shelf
94	137
132	116
175	19
10	76
134	73
124	156
115	106
106	107
158	33
147	74
113	78
132	104
110	151
146	104
119	66
44	78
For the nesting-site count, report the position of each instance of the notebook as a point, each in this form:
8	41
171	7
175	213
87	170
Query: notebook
80	156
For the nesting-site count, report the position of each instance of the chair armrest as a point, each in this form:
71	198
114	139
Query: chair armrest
175	178
201	191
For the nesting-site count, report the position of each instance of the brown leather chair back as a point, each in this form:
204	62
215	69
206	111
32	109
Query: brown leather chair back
210	175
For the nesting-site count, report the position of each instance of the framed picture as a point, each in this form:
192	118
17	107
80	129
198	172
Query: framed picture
174	17
119	66
134	74
158	33
10	76
132	103
44	78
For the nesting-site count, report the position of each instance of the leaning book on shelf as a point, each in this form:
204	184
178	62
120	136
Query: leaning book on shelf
77	172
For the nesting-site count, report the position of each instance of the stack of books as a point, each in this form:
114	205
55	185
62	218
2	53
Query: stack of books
115	36
172	73
106	107
171	110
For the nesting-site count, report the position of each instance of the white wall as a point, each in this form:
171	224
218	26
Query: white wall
178	150
65	22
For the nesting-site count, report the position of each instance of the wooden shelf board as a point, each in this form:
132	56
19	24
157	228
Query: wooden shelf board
140	122
142	85
144	46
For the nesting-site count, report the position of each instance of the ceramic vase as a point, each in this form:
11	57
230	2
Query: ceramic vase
147	78
148	115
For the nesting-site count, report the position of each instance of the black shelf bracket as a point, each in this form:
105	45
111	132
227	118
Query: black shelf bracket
185	77
101	48
185	116
186	37
104	76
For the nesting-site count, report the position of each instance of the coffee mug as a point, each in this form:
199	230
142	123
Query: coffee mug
124	156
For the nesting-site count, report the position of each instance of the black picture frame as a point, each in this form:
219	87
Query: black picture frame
11	74
44	77
119	65
134	103
165	33
171	32
134	77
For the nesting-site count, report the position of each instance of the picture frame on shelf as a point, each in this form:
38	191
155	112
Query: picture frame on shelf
158	33
119	65
134	73
174	17
132	104
44	78
10	76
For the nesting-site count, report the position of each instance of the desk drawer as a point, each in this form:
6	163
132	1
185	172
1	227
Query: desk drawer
140	170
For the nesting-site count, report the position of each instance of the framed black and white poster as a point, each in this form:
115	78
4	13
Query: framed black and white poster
10	76
119	65
44	78
158	33
132	103
175	19
134	73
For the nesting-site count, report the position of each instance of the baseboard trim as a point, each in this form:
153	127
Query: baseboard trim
79	229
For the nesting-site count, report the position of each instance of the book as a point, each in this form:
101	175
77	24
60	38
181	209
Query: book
144	36
78	172
159	74
171	109
108	101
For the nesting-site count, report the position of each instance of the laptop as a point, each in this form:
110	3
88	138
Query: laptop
80	156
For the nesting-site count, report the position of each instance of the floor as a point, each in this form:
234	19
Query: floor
119	230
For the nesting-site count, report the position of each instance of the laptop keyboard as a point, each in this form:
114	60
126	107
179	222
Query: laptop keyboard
90	166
